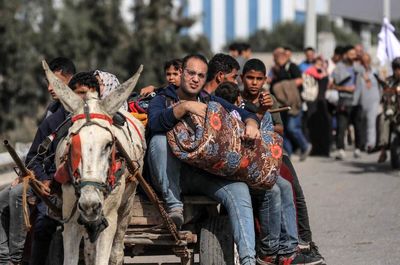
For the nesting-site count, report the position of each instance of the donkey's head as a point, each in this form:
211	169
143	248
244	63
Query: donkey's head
91	146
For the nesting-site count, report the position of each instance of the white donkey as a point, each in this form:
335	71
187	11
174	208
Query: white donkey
95	198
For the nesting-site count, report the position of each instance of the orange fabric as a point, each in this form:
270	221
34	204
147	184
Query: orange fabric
142	117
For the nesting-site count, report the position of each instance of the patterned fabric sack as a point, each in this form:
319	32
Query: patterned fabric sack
213	143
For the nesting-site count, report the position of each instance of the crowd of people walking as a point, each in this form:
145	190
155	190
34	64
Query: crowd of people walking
335	102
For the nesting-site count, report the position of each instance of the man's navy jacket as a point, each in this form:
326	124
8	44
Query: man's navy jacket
161	115
43	166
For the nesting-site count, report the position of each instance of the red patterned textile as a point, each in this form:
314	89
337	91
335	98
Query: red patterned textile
214	144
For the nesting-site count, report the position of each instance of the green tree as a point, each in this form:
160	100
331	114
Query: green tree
91	33
19	91
157	38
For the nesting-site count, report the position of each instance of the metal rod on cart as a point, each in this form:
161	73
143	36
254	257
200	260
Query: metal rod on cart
32	182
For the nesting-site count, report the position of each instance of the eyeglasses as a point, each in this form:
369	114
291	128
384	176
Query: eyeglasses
192	74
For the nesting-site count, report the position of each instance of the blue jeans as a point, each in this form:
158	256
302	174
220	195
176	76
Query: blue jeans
12	229
165	171
277	216
294	132
234	196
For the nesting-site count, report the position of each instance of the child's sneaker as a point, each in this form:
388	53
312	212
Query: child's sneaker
299	259
314	252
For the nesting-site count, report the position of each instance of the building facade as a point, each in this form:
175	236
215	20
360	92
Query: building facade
225	20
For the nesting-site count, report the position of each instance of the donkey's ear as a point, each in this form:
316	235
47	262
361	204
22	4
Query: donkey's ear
71	101
115	99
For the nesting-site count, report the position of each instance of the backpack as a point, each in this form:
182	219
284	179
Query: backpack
310	88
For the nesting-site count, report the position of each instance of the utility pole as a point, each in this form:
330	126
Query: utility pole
386	9
310	31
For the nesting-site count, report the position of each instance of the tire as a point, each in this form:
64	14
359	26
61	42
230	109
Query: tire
216	242
395	153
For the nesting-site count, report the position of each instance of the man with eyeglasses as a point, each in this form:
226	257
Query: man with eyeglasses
166	110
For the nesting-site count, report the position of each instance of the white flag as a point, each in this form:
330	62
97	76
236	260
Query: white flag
388	45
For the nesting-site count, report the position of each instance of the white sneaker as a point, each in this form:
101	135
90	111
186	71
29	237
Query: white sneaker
340	154
357	153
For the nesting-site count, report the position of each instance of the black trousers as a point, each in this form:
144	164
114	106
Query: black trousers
319	126
303	222
45	227
346	116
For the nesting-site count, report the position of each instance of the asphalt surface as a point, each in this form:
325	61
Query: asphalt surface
354	208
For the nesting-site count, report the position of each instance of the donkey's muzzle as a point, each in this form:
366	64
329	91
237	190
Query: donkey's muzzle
94	229
90	210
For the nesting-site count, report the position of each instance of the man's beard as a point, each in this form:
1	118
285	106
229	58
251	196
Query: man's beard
186	91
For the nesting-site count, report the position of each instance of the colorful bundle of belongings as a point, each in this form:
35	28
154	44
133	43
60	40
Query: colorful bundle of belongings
138	106
214	144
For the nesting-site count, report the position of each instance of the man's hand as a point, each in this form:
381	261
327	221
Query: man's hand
197	108
278	129
46	190
265	101
251	131
147	90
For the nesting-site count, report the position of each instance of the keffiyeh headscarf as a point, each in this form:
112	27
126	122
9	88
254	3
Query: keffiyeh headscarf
110	83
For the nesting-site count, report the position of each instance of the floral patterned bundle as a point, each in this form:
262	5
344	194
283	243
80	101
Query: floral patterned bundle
214	144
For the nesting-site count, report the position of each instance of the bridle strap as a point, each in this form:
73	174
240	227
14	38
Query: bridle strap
97	184
86	111
92	116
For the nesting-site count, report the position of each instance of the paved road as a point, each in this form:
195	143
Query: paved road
354	207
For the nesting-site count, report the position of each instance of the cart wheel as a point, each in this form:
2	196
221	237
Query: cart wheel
216	242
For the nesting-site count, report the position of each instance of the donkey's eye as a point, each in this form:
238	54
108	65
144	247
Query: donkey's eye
108	146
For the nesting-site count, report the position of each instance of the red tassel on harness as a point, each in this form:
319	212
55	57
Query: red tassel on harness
62	175
113	168
76	153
